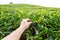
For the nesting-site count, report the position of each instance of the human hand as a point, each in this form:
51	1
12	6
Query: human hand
16	35
25	23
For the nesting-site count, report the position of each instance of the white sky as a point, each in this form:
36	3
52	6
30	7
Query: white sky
47	3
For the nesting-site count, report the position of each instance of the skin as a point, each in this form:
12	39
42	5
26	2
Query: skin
16	35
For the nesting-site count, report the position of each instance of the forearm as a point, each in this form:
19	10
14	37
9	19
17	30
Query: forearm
15	35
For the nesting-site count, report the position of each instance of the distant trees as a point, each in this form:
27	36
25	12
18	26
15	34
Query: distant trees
11	3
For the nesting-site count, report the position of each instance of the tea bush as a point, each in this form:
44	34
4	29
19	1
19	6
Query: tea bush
45	26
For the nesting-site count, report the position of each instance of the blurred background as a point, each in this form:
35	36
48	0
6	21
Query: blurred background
47	3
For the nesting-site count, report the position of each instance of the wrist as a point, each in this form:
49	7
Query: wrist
22	28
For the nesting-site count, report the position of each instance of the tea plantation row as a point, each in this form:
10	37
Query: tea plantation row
45	26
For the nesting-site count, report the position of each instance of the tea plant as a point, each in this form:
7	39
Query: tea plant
45	26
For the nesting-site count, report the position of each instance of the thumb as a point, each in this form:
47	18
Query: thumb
29	23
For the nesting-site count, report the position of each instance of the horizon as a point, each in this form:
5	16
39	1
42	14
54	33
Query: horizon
46	3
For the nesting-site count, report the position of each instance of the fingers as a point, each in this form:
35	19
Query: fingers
27	19
26	22
30	23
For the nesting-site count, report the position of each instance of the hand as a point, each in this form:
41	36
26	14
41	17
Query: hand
16	35
25	23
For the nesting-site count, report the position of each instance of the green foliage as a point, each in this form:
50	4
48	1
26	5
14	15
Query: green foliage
46	21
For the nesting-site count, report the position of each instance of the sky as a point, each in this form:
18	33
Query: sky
46	3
